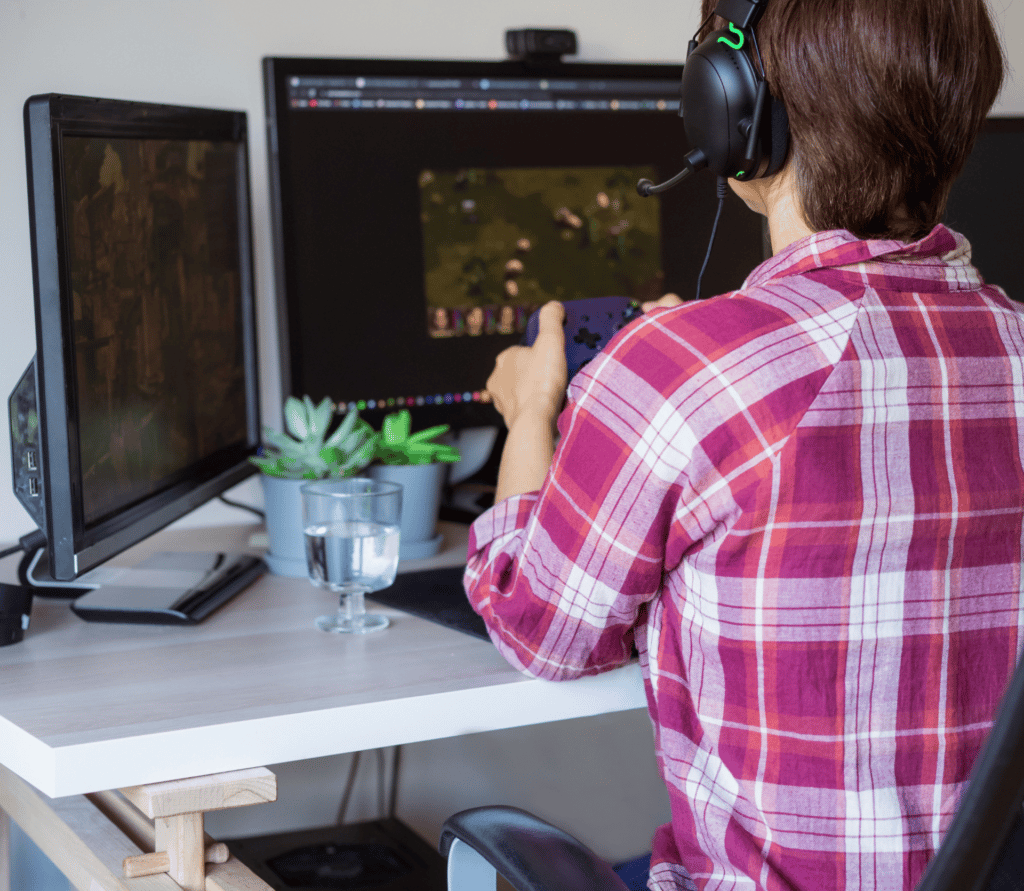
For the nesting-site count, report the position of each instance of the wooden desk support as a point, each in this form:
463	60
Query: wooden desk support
89	837
181	848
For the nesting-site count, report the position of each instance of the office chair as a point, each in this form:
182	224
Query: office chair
983	849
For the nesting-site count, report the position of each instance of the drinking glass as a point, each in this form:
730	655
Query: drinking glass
352	530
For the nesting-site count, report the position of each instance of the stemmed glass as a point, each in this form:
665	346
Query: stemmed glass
352	531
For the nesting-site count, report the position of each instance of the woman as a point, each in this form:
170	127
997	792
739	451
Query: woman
803	501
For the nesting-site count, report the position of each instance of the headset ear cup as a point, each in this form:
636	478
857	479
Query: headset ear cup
779	136
717	95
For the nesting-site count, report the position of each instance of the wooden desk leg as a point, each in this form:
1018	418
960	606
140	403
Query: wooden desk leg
5	851
185	851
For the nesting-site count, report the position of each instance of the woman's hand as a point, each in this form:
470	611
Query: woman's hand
528	388
532	380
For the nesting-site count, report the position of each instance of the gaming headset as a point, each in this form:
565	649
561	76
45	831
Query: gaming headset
735	126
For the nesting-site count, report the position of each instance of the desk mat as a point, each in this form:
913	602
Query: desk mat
436	595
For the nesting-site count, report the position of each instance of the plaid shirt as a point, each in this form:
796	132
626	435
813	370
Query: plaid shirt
804	503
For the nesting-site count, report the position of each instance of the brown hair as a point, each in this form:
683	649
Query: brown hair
884	99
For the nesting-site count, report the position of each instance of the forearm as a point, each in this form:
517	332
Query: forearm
526	458
528	388
521	574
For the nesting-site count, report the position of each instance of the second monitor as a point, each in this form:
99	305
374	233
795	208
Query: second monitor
423	210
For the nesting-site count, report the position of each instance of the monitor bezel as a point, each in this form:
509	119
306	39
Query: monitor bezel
276	72
74	548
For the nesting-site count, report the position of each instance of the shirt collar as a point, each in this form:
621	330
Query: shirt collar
939	261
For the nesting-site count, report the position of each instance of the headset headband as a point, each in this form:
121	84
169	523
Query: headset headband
744	14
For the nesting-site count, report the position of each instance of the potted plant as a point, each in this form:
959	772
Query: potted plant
308	449
420	463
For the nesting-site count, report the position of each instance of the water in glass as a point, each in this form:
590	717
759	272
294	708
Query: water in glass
352	555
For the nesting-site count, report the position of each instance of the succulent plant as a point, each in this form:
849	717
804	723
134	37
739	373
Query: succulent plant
308	451
396	444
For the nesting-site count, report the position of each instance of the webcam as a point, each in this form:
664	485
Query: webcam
540	44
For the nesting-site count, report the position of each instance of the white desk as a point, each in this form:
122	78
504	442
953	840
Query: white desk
87	707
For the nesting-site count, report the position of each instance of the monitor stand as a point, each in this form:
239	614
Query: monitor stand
167	588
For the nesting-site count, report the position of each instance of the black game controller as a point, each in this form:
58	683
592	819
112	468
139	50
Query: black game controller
589	325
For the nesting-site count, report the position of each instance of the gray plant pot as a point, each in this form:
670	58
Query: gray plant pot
282	502
422	488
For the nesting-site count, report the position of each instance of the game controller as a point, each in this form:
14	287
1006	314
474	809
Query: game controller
589	325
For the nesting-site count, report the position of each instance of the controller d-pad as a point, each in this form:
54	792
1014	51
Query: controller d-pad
587	338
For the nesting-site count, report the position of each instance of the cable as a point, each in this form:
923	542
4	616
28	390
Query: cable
723	185
702	26
393	797
757	52
387	798
349	785
11	550
381	783
32	541
240	506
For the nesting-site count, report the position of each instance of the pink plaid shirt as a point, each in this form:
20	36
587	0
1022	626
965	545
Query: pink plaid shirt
804	502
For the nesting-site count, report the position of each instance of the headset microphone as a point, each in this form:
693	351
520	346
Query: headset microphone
695	161
738	129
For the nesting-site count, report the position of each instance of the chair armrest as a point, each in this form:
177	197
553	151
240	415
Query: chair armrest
531	854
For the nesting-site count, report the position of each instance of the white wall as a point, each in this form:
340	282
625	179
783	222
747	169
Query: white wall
207	52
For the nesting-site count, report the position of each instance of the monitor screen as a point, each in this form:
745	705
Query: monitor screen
423	209
144	380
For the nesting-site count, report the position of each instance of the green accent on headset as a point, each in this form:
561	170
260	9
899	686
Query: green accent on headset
741	173
740	38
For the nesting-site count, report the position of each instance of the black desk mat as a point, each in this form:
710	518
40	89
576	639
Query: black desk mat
436	595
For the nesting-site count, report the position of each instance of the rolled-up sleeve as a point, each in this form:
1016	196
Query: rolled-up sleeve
563	576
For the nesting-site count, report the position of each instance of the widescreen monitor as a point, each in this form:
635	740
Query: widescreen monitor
423	209
141	402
